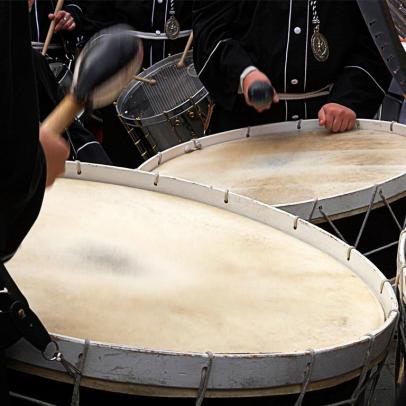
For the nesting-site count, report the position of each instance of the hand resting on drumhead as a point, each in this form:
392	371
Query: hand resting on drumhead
56	151
336	118
63	21
249	80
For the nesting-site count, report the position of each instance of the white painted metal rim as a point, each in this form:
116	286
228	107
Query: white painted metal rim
332	206
137	366
401	263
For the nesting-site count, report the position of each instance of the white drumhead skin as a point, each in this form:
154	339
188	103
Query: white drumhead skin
288	168
128	266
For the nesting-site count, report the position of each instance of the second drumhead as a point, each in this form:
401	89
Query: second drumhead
282	168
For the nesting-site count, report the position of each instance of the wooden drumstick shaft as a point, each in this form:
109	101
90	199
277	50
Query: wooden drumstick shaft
63	114
145	80
51	29
181	63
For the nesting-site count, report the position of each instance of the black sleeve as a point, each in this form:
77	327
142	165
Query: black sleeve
73	7
219	56
97	14
22	167
363	77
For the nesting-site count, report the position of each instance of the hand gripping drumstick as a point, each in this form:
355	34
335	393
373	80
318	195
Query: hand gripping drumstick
105	67
51	29
181	63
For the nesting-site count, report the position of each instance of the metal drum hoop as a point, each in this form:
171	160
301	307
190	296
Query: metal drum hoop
136	370
165	115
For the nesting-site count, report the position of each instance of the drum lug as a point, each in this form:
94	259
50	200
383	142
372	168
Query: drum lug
174	126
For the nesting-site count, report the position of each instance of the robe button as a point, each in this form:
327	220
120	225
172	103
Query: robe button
160	1
297	30
294	81
295	117
157	32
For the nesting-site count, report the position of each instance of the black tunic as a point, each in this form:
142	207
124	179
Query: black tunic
147	16
40	22
22	165
274	36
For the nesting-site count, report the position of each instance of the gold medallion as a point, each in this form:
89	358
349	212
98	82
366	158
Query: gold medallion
172	27
319	45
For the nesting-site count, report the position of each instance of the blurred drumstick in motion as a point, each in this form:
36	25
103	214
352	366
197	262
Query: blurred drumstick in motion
151	82
51	29
181	63
105	67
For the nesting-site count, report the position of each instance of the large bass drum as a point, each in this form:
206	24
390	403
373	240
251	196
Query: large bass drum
159	287
353	184
173	110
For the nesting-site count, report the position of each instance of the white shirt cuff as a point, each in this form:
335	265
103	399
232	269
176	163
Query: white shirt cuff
244	74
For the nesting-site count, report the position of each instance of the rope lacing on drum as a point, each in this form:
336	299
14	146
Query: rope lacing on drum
363	378
332	225
59	357
401	327
75	401
307	377
205	375
382	197
313	210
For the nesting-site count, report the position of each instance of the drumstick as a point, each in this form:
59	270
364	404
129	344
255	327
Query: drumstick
181	63
116	54
151	82
51	29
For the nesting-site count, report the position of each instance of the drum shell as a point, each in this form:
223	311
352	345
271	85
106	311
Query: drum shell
164	124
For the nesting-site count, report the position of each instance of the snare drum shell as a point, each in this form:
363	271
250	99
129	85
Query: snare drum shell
172	120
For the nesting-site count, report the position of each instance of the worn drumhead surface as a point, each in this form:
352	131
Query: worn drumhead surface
288	168
128	266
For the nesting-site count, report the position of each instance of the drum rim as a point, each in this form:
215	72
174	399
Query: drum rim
154	363
164	116
38	45
355	201
401	269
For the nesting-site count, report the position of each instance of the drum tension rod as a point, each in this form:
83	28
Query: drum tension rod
299	124
156	179
307	376
226	196
205	375
78	167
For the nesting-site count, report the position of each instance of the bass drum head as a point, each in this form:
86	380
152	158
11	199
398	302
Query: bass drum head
161	286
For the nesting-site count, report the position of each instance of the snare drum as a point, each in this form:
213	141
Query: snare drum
174	110
353	184
170	288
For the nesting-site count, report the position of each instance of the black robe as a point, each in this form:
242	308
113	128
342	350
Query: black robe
22	164
40	22
147	16
274	36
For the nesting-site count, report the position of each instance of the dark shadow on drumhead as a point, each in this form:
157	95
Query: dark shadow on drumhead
60	394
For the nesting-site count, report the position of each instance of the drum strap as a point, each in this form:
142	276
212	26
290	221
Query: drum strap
16	318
